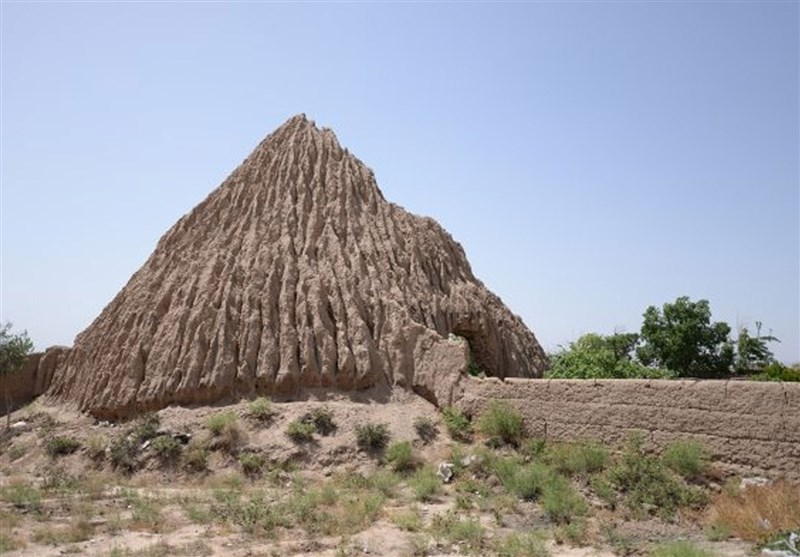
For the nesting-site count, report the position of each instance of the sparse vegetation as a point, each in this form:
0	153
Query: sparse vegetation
502	424
426	429
679	548
123	452
261	410
758	513
424	484
522	545
400	456
59	446
301	431
322	418
687	457
458	424
195	458
167	448
251	463
372	437
577	459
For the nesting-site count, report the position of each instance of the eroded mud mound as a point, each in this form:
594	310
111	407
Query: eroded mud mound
295	273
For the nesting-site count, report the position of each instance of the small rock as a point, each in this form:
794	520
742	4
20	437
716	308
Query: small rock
754	481
21	425
445	472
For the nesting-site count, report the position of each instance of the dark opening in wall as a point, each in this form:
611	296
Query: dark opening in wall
480	361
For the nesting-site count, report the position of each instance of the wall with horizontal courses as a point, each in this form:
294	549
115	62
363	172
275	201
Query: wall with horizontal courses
32	379
751	427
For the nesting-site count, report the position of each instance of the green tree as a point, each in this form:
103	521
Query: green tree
682	338
14	349
752	353
595	356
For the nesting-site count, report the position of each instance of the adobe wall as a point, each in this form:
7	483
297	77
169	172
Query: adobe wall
749	426
32	380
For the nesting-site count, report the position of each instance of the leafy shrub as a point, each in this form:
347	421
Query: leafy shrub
261	410
647	483
251	463
424	484
595	356
400	456
217	423
574	459
426	429
322	418
502	423
522	545
166	447
776	371
687	457
372	437
560	501
147	427
58	446
195	458
457	423
679	548
123	452
301	431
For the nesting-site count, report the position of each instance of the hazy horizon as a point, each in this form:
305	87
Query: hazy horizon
591	158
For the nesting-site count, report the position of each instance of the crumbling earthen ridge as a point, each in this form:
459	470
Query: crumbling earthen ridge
294	274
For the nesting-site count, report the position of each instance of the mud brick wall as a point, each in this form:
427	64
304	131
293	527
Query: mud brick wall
750	427
32	379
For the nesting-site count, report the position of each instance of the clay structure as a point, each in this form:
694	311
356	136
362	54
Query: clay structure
294	274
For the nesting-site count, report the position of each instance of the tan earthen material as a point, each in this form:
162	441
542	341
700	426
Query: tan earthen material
295	273
749	426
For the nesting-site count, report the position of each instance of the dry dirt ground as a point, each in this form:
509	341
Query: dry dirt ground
71	485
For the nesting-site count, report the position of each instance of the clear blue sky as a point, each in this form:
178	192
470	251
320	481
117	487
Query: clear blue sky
592	158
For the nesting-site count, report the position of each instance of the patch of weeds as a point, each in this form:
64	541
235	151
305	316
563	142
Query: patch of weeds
384	481
622	544
425	484
426	429
251	463
466	531
59	480
22	496
147	427
561	501
253	515
502	424
322	418
372	437
409	520
679	548
648	485
457	423
16	452
522	545
400	456
261	410
96	448
8	543
534	447
59	446
123	452
225	432
301	431
195	458
78	530
573	459
758	513
167	448
526	481
573	533
145	513
718	532
687	457
604	490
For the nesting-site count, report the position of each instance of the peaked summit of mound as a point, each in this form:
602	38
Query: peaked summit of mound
294	274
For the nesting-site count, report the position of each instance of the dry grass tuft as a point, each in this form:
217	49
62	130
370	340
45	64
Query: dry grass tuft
758	513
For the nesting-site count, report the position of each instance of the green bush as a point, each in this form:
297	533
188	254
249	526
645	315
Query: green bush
560	501
776	371
424	484
648	484
251	463
523	545
301	431
426	429
147	427
525	481
457	423
166	447
687	457
400	456
595	356
502	424
574	459
261	410
372	437
58	446
218	423
322	418
679	548
122	452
